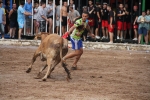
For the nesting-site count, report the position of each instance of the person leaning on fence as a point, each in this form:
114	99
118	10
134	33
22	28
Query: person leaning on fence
148	16
77	29
21	18
2	20
111	23
143	27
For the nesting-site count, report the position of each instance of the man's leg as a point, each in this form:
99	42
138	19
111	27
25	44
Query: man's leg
19	33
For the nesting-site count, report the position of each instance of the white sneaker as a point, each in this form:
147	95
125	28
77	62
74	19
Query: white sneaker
97	37
118	37
103	37
135	39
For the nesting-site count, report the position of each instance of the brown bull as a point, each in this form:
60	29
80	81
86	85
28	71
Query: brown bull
51	50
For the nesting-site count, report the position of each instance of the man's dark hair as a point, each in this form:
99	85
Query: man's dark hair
42	3
1	2
71	7
22	2
86	12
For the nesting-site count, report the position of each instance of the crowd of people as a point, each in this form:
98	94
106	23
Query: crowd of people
101	17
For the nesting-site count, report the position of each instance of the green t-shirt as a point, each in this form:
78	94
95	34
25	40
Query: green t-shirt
78	23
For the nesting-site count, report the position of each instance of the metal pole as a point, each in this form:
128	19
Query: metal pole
25	25
46	21
32	18
53	15
116	20
67	16
60	16
79	6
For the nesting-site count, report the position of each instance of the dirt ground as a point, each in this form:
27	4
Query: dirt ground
102	75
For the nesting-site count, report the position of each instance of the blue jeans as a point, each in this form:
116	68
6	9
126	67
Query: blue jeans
142	30
2	28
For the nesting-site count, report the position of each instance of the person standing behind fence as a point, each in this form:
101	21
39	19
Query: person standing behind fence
13	21
2	20
57	18
135	15
35	10
121	24
21	18
104	13
63	17
73	14
143	27
148	31
50	15
111	23
41	17
28	8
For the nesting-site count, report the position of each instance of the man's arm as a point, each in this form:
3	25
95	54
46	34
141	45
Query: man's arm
4	19
89	30
11	11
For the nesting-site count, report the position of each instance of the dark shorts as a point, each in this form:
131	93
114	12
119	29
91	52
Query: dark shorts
98	24
42	26
13	24
142	30
28	22
64	22
51	17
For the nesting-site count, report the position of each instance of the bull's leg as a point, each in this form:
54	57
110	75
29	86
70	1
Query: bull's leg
67	71
53	67
41	71
49	62
36	54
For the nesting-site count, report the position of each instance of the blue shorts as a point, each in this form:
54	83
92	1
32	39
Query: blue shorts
76	44
142	30
21	24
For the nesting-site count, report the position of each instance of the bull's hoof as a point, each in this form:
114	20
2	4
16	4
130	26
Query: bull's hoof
44	79
29	70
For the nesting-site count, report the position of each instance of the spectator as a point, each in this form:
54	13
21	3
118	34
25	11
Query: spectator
72	4
84	35
57	18
50	15
143	26
36	5
92	13
127	20
41	17
121	24
148	16
2	20
104	21
63	17
21	18
7	17
13	21
98	19
73	14
134	21
111	23
28	8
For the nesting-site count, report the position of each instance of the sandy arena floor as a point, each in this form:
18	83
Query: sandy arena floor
102	75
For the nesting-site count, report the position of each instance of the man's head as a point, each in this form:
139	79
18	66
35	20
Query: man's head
8	2
1	3
143	13
135	8
108	7
43	4
50	1
29	1
104	5
85	8
90	2
65	3
71	1
121	6
22	3
85	15
148	12
70	8
14	6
